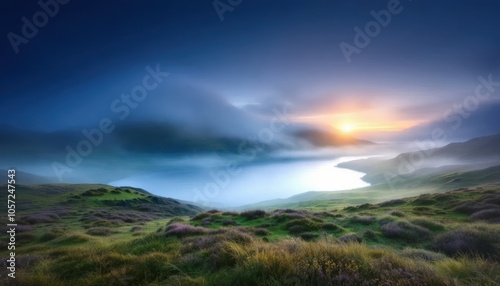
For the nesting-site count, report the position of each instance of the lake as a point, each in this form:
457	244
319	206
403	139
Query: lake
252	183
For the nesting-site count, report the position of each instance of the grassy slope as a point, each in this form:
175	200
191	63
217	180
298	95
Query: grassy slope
61	214
409	186
474	154
81	197
402	242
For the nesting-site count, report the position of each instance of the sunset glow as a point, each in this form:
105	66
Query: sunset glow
360	123
347	128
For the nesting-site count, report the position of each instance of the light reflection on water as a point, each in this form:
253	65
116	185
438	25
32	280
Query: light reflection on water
254	183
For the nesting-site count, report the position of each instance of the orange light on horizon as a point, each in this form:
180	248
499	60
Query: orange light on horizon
357	122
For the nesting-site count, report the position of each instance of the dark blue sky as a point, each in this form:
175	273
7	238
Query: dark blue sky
263	55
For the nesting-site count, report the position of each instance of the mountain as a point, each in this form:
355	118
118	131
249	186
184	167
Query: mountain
474	154
456	165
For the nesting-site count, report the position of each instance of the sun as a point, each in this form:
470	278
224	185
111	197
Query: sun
347	128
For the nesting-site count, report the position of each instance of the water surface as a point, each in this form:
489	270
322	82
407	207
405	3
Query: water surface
251	184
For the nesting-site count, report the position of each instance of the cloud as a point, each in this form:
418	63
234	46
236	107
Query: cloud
197	109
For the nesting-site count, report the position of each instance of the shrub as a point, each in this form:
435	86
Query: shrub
233	235
253	214
52	234
308	236
137	229
366	220
100	231
386	219
176	219
288	216
472	207
405	230
330	226
210	251
42	217
74	238
289	211
206	221
351	238
261	231
231	213
396	213
114	218
227	222
301	225
369	234
104	223
327	214
316	219
423	200
435	226
491	199
464	241
181	230
201	216
393	203
365	206
422	254
489	215
94	192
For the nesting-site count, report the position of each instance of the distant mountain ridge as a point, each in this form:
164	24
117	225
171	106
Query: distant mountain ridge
476	161
474	154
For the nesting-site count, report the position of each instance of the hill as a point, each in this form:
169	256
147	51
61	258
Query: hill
424	181
475	154
450	238
69	202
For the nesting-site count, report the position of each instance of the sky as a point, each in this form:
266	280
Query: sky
232	64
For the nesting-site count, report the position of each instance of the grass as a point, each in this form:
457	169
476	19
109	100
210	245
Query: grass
431	239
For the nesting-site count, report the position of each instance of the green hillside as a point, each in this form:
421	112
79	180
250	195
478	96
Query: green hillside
419	183
99	235
77	199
